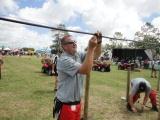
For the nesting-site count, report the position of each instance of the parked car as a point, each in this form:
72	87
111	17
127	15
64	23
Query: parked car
125	66
101	66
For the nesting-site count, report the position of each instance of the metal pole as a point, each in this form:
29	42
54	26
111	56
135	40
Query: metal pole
86	97
59	44
68	30
48	27
128	84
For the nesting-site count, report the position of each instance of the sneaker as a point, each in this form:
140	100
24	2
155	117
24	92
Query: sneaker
55	90
154	108
82	118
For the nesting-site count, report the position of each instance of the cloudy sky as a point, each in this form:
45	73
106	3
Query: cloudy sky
107	16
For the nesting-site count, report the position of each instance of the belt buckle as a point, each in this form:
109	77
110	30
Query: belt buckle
73	107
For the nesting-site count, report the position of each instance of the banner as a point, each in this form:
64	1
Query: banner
149	53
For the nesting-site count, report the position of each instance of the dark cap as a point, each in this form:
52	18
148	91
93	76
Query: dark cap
142	86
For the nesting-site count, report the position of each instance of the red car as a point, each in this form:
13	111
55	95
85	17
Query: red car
101	66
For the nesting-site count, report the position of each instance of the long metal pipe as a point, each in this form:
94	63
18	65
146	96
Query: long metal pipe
54	28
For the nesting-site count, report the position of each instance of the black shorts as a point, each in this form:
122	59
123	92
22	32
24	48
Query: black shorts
55	72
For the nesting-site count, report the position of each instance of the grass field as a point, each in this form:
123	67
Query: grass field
27	94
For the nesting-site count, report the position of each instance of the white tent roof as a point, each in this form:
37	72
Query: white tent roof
7	49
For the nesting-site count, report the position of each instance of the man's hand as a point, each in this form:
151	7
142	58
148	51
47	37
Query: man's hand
92	42
142	107
95	40
99	37
134	109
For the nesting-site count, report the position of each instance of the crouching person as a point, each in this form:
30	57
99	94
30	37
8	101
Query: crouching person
140	85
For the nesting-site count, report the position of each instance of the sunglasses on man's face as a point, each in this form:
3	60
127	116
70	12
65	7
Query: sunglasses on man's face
71	42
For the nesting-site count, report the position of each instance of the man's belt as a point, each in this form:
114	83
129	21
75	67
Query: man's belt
72	103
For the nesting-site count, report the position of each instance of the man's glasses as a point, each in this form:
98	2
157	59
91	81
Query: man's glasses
67	43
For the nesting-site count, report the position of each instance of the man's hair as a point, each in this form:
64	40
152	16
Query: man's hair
65	38
142	87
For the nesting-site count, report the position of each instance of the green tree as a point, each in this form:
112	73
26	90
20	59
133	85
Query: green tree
147	38
114	42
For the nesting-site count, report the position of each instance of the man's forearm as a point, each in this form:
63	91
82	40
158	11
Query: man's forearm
145	100
88	62
131	101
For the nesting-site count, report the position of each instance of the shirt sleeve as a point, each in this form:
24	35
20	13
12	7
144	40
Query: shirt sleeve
148	88
134	88
133	91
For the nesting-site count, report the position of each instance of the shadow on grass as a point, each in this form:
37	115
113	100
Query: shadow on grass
37	71
44	92
41	74
4	118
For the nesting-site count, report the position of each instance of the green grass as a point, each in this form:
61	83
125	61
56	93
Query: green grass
27	94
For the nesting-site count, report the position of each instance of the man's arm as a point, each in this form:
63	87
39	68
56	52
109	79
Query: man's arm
145	99
131	103
88	61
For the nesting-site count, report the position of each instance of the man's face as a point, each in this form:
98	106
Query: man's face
69	45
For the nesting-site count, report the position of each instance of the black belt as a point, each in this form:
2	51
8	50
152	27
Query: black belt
58	105
68	103
72	103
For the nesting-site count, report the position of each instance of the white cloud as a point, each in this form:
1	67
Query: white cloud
112	16
8	6
16	35
82	42
144	8
51	13
156	22
124	16
77	28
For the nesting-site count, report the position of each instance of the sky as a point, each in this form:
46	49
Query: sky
107	16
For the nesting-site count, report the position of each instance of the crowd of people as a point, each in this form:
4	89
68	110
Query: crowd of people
139	64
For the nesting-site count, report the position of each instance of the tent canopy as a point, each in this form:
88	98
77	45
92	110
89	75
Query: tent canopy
7	49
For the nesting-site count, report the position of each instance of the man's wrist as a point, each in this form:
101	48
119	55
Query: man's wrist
133	107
